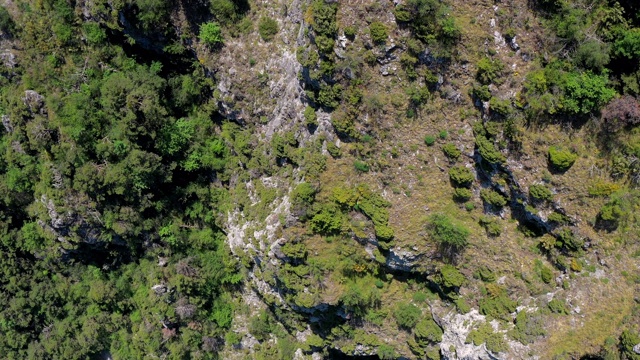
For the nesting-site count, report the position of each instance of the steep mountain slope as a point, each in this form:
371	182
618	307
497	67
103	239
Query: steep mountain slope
320	179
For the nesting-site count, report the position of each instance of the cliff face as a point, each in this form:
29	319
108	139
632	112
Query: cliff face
401	179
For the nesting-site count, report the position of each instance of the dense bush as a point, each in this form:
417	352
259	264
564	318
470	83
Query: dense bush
461	176
488	70
267	28
540	192
488	151
561	158
462	194
447	232
493	198
378	32
451	151
210	34
407	315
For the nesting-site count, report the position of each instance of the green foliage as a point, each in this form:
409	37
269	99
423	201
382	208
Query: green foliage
7	25
484	334
310	116
327	221
491	225
448	232
462	194
628	44
493	198
528	327
561	158
450	277
429	140
500	107
407	315
427	331
451	151
628	340
361	166
540	192
592	54
378	32
260	326
488	70
585	93
497	304
350	32
210	34
558	307
386	352
461	176
488	151
267	28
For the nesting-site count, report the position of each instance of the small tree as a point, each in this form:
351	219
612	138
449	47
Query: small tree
210	34
378	32
449	234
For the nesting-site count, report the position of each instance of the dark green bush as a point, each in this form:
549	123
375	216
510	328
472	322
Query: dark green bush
429	140
488	151
462	194
451	151
481	92
267	28
361	166
501	107
461	176
448	232
491	225
493	198
561	158
488	70
378	32
310	116
540	192
407	315
558	307
350	32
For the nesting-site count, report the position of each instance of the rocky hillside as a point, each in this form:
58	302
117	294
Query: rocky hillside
309	179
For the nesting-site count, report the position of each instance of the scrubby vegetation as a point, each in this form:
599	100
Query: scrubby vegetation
271	180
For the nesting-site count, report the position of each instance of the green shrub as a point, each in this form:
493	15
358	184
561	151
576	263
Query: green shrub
488	151
561	158
378	32
260	326
484	334
310	116
557	218
407	315
462	194
488	70
94	33
333	150
443	134
481	92
428	331
429	140
558	307
461	176
491	225
447	232
210	34
497	304
450	277
528	327
628	340
361	166
386	352
327	221
540	192
493	198
7	25
502	107
350	32
451	151
267	28
585	93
